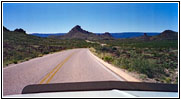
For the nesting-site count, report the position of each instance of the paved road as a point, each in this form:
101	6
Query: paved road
76	65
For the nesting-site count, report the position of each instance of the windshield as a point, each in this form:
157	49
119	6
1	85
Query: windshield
133	45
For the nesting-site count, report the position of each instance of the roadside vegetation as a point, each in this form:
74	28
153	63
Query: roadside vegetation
154	61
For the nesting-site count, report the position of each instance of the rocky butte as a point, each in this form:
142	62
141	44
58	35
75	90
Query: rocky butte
78	33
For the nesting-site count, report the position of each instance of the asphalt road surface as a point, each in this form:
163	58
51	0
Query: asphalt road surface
76	65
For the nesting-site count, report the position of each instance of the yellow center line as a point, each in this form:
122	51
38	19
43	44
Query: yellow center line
57	67
48	75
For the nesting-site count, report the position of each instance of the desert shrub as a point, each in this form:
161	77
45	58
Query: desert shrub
15	61
167	80
143	76
124	63
45	52
26	59
116	62
148	67
141	65
108	59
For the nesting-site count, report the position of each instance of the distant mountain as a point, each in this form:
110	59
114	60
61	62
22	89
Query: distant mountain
114	35
132	34
165	35
78	33
47	34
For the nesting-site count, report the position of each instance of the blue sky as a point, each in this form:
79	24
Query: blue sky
93	17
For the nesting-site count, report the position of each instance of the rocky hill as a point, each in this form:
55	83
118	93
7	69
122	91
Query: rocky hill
19	30
165	35
78	33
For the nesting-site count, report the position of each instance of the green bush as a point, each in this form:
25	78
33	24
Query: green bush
124	63
116	62
167	80
45	52
108	59
15	61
